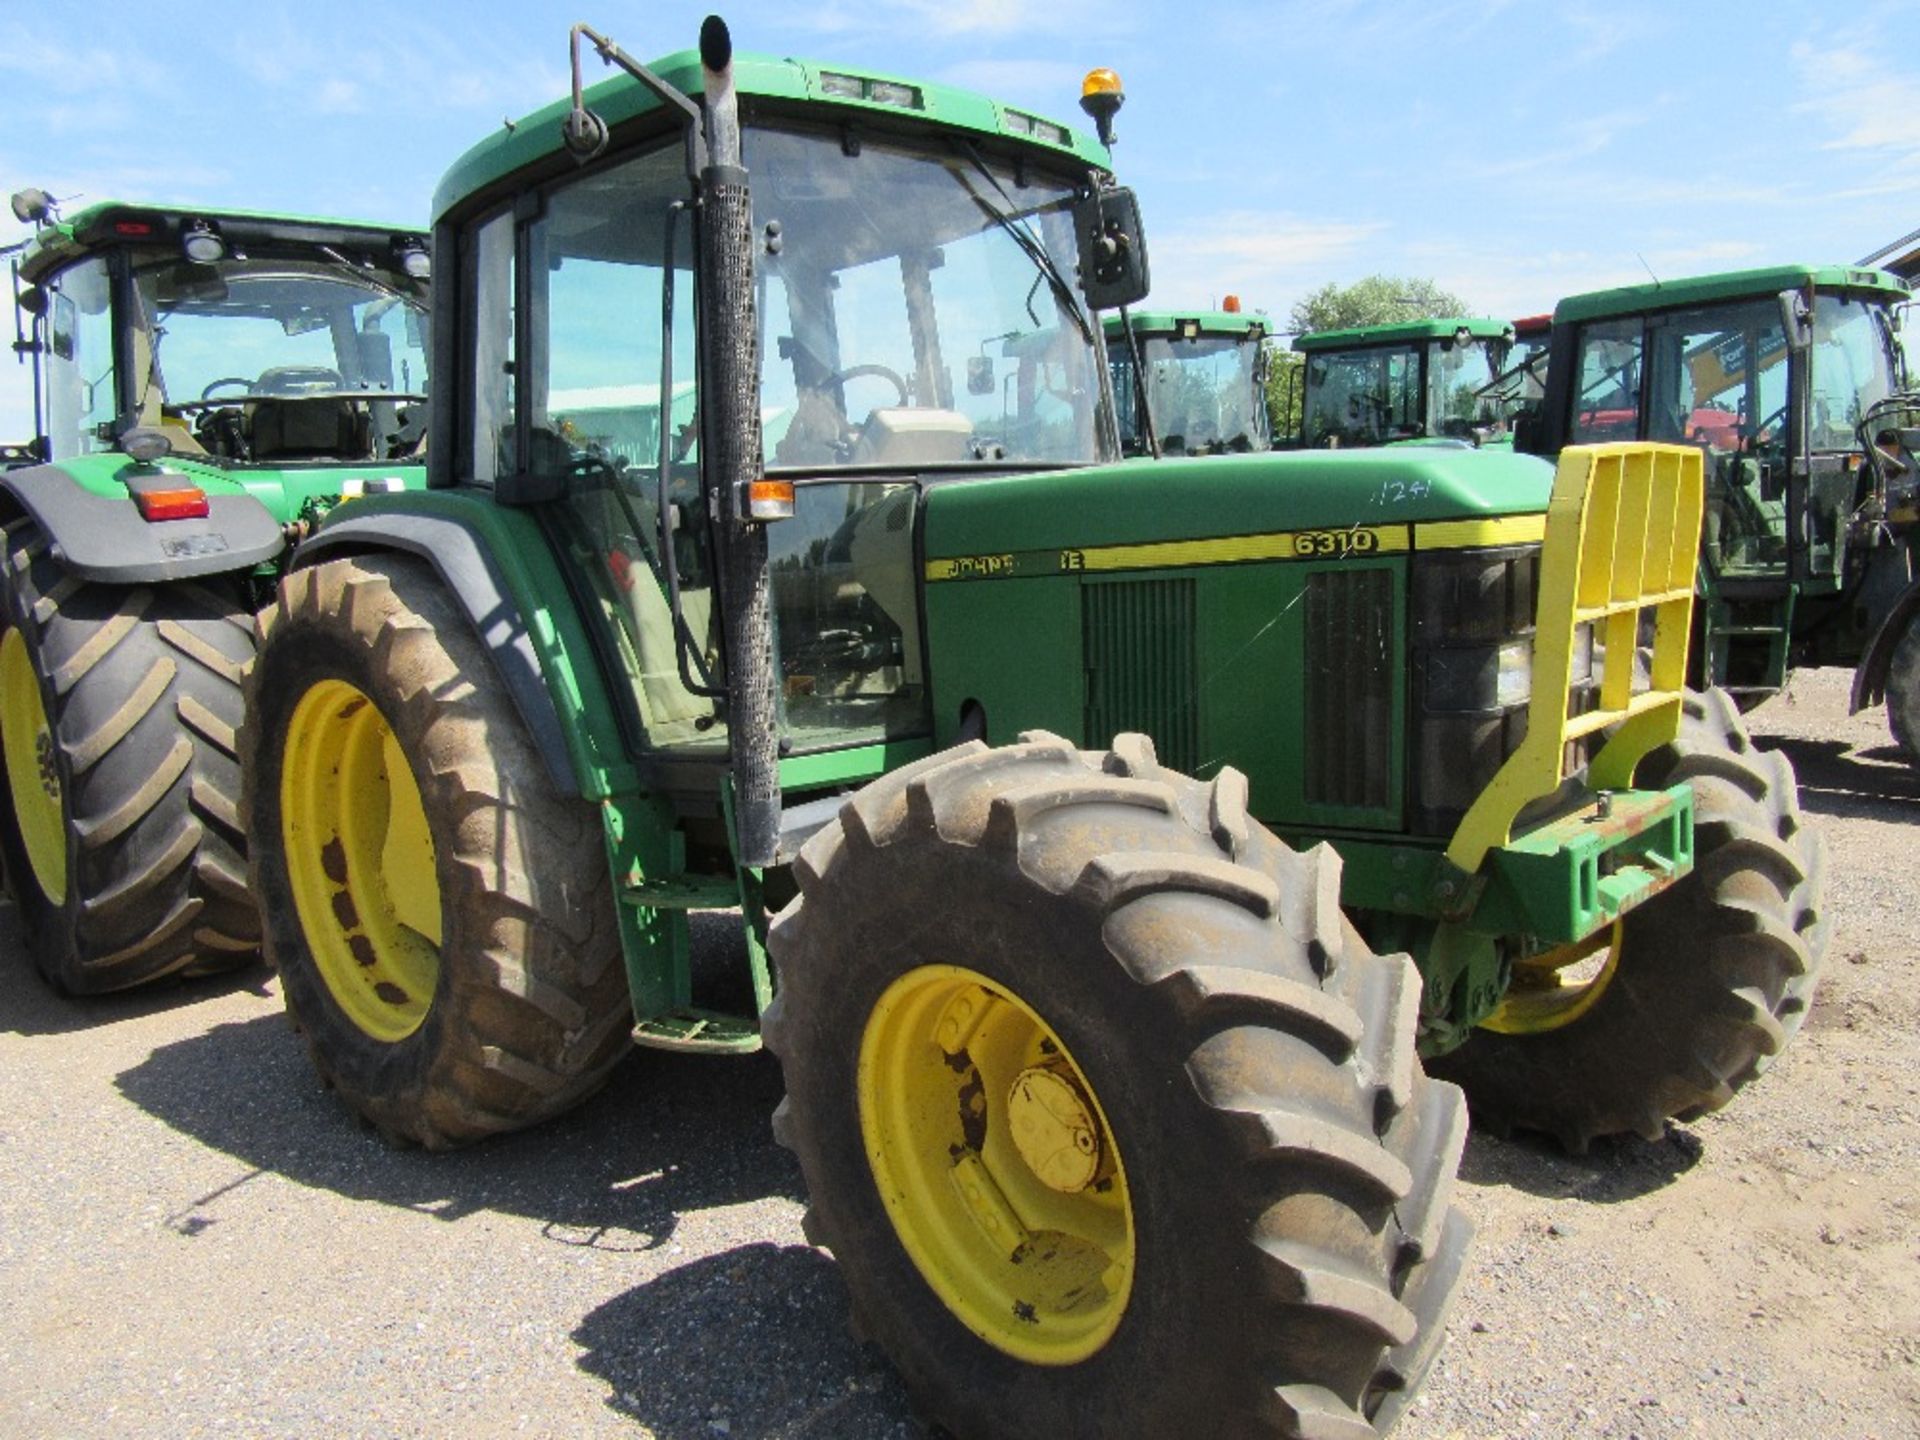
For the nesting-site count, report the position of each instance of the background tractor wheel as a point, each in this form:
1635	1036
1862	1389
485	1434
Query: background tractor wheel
1695	991
121	825
1903	692
1113	1123
442	920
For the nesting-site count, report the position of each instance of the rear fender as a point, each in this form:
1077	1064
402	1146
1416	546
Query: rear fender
102	538
1870	678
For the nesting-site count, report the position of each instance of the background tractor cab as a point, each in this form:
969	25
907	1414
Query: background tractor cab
1418	380
1792	381
1203	385
206	384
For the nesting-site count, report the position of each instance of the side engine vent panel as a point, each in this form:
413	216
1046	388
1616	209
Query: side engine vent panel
1348	710
1141	665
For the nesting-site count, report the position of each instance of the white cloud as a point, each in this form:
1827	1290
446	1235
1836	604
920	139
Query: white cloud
1863	101
1264	257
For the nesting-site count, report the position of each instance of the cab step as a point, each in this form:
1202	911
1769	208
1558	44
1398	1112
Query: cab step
699	1032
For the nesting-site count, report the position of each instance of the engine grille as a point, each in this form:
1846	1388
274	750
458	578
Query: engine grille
1138	645
1349	689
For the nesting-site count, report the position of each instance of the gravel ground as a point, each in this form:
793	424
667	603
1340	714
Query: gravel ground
195	1239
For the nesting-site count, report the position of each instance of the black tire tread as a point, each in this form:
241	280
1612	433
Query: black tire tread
532	1012
1368	1135
1725	961
144	730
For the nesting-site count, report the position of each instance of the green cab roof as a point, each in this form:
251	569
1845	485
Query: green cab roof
619	99
111	223
1729	285
1211	322
1359	337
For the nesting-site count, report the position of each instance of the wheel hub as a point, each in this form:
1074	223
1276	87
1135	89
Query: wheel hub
1054	1129
33	769
996	1165
360	858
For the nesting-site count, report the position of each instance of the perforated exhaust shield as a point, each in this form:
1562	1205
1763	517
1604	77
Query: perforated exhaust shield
730	441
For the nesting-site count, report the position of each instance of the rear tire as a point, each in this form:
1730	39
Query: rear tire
522	1010
1283	1165
122	832
1713	978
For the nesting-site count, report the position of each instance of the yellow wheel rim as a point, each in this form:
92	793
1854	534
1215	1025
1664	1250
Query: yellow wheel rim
1555	989
33	771
361	862
996	1165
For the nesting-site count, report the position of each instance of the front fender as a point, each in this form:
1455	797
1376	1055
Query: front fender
103	538
1870	677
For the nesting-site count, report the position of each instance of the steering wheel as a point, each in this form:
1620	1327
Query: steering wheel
856	372
212	385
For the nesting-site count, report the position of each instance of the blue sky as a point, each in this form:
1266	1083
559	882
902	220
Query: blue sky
1515	152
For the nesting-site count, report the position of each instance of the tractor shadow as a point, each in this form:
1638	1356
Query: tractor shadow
753	1343
668	1135
1612	1170
30	1007
1879	783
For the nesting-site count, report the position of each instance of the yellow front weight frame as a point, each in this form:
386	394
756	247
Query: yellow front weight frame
1623	531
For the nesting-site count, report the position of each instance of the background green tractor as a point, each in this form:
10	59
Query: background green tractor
1106	1098
1198	385
1791	380
205	384
1418	380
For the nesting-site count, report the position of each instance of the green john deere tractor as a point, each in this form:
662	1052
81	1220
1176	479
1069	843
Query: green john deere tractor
1107	1098
1792	382
1204	390
1413	381
206	383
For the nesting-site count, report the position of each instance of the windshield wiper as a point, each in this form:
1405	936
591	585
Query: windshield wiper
1029	243
369	277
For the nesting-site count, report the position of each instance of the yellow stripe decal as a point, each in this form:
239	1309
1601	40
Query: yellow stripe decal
1347	544
1467	534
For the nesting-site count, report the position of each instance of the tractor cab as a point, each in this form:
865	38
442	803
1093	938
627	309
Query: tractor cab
238	340
1424	380
916	319
1790	380
1200	377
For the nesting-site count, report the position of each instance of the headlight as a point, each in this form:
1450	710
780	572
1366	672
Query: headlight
1471	614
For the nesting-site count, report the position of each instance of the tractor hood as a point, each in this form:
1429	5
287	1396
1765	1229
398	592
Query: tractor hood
1154	502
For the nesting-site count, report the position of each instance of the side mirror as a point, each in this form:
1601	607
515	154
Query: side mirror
32	299
1113	249
980	375
1796	319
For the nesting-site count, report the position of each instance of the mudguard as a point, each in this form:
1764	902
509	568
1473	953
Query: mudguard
466	568
1870	677
103	538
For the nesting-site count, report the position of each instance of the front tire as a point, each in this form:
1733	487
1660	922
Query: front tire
1703	985
122	833
442	919
1113	1123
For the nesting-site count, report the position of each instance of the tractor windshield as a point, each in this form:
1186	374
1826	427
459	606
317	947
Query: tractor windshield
1362	397
1854	367
272	359
1207	392
1458	374
912	313
913	317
